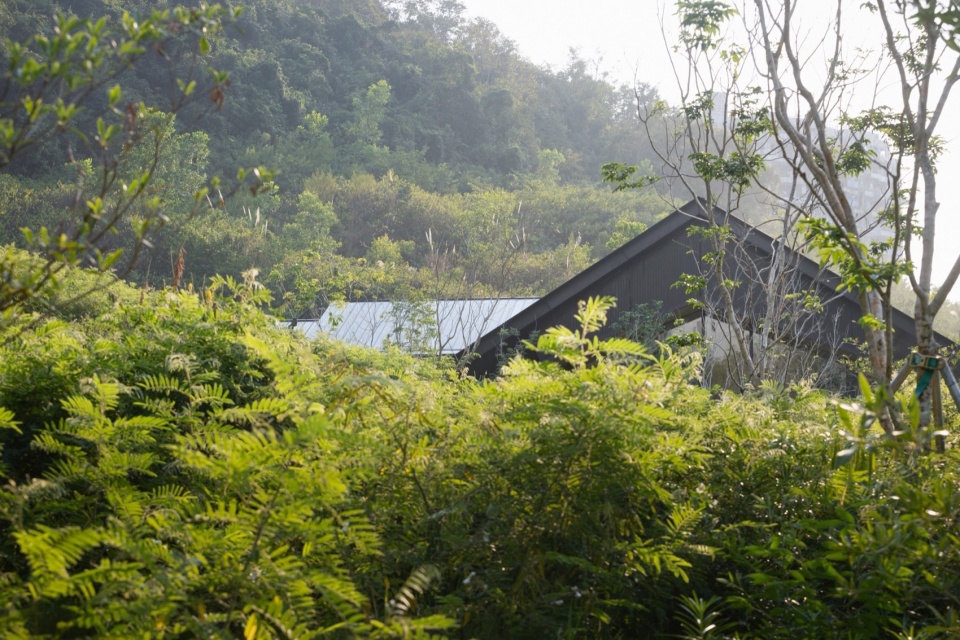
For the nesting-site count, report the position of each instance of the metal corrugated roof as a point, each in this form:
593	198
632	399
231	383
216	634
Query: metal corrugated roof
439	326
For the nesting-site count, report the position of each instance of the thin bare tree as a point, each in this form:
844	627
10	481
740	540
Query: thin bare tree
807	103
714	146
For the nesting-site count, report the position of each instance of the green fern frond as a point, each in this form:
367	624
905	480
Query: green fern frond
161	407
49	442
221	512
622	346
592	314
342	595
8	421
683	519
701	619
80	406
117	464
139	428
163	384
213	394
51	552
169	494
277	617
652	559
256	412
433	623
126	504
415	586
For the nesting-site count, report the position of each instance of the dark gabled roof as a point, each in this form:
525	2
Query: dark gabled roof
644	270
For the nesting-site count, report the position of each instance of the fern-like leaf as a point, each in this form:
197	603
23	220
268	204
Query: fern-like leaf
415	586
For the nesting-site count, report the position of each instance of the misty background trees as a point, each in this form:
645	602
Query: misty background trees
384	122
379	123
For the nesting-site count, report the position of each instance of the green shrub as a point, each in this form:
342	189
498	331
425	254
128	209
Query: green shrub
179	466
171	487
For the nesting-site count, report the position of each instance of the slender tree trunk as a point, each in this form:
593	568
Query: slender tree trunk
871	303
809	137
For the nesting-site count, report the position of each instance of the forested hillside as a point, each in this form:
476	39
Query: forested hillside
411	150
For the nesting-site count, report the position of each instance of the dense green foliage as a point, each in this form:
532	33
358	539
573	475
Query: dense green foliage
174	464
115	154
403	128
179	466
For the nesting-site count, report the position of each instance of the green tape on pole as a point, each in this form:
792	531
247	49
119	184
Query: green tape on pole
924	381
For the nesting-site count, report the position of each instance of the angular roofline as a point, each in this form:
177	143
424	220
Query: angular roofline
690	213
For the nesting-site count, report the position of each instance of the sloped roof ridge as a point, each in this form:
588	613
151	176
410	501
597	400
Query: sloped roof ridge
669	224
691	212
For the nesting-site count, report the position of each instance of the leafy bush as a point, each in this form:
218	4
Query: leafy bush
180	466
171	487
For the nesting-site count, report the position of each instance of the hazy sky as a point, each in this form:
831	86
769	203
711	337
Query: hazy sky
625	36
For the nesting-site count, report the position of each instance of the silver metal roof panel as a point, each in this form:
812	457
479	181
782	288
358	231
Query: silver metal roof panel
437	326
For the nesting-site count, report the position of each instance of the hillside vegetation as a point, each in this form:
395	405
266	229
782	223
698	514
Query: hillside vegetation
409	150
174	464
